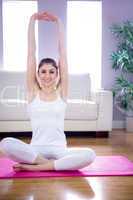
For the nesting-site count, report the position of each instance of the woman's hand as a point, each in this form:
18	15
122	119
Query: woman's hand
37	16
46	16
50	16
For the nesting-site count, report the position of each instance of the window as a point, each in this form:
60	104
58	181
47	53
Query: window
84	39
15	23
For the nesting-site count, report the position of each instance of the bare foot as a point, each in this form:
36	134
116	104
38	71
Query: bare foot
2	154
17	167
23	167
32	167
40	160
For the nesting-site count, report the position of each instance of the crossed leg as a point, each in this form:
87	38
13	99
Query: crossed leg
30	160
66	159
22	153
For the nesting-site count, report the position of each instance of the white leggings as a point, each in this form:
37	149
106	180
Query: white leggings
65	158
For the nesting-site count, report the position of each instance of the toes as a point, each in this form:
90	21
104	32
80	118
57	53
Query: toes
17	169
17	165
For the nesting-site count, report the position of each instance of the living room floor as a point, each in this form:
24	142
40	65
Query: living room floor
119	142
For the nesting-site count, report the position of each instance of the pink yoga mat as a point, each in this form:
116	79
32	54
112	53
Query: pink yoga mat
102	166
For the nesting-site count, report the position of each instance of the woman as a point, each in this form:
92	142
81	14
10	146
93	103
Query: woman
47	89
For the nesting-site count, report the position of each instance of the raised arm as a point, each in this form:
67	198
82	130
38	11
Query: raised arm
31	56
32	82
63	66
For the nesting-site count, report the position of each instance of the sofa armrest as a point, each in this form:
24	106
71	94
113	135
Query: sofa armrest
104	99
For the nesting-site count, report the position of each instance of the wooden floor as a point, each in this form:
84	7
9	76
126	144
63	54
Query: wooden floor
78	188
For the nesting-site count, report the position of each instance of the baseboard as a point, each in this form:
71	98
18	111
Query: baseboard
118	124
88	134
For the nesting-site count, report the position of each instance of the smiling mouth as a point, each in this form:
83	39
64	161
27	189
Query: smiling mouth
47	82
44	80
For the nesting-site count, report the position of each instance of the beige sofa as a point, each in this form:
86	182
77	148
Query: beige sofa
86	110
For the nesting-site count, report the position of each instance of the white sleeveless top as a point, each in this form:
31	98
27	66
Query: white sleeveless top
47	121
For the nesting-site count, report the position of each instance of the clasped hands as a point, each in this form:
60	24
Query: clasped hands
46	16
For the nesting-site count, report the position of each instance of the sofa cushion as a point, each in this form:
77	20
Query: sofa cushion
79	86
13	95
12	85
78	109
13	109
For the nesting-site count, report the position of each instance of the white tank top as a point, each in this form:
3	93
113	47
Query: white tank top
47	121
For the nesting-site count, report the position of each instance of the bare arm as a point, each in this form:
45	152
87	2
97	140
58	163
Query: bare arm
31	57
63	66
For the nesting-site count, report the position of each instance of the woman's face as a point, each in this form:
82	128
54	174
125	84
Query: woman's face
47	75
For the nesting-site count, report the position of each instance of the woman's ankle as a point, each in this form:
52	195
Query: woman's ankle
2	154
40	160
47	166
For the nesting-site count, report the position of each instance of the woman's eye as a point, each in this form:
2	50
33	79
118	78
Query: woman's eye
52	72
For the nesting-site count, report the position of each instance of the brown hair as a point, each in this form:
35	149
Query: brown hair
48	61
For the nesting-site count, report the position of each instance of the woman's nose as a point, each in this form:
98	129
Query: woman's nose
47	75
